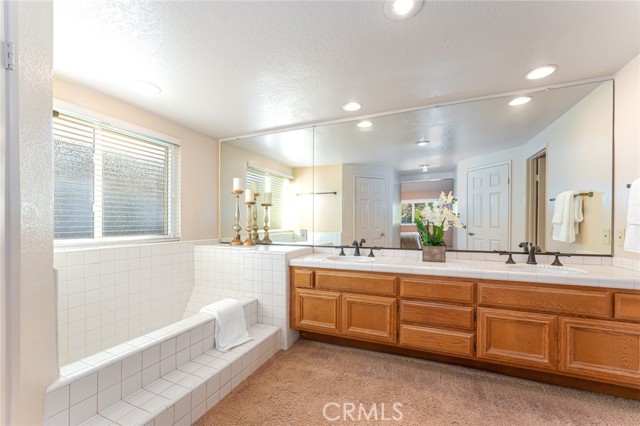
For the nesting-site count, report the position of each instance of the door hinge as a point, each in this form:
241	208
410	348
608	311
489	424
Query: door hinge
9	55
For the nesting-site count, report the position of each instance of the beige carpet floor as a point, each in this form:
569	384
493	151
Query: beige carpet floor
296	386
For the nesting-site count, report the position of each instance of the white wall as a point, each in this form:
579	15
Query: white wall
31	299
198	156
578	151
627	144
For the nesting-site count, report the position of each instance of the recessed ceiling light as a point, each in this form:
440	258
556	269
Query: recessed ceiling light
364	124
520	101
424	167
147	88
541	72
401	9
351	106
422	143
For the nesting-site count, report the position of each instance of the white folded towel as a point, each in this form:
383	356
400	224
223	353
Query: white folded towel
632	234
567	215
231	327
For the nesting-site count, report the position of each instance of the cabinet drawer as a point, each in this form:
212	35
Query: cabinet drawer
604	350
436	314
436	340
627	307
357	282
317	311
369	317
302	278
518	338
546	299
443	291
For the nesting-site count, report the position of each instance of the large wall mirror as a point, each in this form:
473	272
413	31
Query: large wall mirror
509	166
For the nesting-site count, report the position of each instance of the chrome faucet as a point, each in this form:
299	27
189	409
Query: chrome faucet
357	246
531	260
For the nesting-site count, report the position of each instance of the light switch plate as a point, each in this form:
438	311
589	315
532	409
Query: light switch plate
620	237
606	236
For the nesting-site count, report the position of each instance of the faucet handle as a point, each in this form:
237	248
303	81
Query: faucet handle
510	259
556	261
371	252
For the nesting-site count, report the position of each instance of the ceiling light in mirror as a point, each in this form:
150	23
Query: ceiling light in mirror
351	106
401	9
422	143
541	72
424	167
364	124
520	100
146	88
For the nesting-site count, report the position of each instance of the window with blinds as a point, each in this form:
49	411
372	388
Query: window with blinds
269	181
112	184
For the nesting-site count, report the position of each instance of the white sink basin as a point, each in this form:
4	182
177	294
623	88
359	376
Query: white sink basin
357	259
549	269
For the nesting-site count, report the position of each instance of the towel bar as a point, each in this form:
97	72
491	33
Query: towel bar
580	194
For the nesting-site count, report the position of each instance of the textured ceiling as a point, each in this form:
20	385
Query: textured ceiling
237	67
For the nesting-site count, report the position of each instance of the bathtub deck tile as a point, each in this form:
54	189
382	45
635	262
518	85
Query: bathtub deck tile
140	397
117	411
159	386
155	404
176	376
96	420
190	367
134	417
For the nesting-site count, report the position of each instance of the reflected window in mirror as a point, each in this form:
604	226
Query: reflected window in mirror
412	210
264	181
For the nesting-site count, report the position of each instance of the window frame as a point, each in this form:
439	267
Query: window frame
413	203
174	193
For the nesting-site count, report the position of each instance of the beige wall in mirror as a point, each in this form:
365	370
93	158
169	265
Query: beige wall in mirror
571	126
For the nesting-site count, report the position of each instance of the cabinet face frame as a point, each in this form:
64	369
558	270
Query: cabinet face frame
626	338
543	356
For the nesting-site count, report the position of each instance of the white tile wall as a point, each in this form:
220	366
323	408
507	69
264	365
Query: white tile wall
225	271
107	296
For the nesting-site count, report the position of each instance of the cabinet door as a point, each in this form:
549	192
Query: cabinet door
317	310
601	350
369	317
517	338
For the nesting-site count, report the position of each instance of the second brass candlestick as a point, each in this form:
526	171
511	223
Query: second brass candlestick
249	241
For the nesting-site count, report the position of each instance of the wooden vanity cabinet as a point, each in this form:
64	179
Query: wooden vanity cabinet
317	310
600	350
518	338
437	315
565	331
348	304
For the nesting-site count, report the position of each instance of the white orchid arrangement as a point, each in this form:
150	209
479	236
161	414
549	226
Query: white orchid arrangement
438	217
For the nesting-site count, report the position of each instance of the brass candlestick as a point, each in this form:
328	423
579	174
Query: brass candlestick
237	241
266	239
249	241
256	237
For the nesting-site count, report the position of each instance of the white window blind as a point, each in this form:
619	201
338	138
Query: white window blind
269	181
112	184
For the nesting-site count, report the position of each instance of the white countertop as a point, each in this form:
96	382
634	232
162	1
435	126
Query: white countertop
594	275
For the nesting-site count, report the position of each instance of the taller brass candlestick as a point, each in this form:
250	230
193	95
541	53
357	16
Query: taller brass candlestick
249	241
256	237
237	241
266	239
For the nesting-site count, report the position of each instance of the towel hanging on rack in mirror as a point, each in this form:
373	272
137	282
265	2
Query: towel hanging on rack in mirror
580	194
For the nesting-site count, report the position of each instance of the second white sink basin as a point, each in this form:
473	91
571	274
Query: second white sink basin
548	269
357	259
